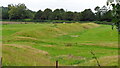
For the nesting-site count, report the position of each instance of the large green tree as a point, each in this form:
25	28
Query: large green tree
97	13
38	15
47	14
87	15
4	12
19	11
58	14
62	14
115	12
106	16
69	15
76	16
30	14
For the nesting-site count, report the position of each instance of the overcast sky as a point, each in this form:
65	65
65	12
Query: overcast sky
69	5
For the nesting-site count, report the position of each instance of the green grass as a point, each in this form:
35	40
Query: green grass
70	44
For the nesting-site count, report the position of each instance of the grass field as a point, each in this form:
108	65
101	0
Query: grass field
0	40
70	44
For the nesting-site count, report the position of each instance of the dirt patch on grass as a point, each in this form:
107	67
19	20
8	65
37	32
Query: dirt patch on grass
75	57
71	57
27	48
115	45
74	35
16	22
48	45
26	38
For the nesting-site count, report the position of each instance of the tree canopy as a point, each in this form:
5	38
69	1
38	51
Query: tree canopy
20	11
87	15
115	12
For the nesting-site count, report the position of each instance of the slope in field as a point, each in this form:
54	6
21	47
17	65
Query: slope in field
70	44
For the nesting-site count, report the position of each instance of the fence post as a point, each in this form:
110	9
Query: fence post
96	59
57	64
0	62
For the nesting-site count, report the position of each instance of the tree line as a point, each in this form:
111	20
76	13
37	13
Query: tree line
20	11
